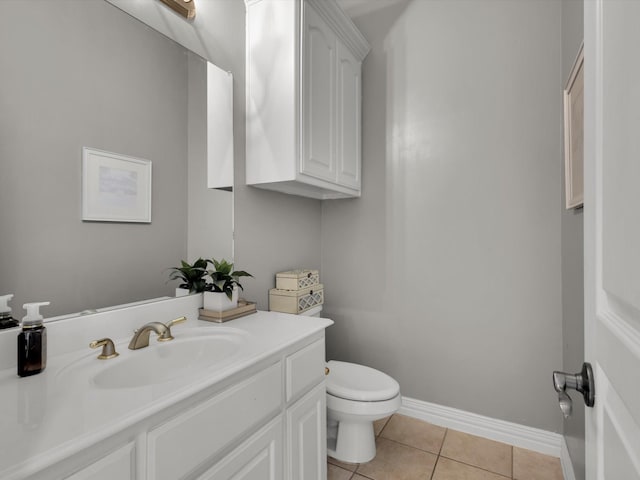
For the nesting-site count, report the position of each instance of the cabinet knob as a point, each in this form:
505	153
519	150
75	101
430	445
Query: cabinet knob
326	370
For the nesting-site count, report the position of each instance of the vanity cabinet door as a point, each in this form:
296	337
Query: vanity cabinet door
214	425
119	464
307	437
259	458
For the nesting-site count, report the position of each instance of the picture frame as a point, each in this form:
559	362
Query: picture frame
115	187
574	134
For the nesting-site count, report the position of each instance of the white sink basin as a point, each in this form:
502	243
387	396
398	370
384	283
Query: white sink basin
190	353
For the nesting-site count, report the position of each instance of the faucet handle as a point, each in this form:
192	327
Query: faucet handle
176	321
108	348
166	335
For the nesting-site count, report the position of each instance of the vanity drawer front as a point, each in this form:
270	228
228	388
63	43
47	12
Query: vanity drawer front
305	369
213	425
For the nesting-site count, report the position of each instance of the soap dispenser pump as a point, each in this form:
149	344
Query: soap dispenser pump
6	320
32	341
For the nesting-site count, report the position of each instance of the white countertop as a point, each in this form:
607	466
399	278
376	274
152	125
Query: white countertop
49	416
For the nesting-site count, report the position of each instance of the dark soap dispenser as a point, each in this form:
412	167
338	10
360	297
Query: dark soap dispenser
6	320
32	342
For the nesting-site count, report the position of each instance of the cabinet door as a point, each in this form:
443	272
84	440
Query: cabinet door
307	437
117	465
259	458
349	118
318	98
213	425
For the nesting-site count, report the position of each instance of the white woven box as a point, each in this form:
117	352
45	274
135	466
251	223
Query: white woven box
295	301
297	279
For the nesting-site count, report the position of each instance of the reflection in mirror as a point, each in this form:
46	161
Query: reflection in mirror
86	74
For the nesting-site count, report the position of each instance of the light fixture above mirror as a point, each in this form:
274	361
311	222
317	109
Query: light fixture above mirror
186	8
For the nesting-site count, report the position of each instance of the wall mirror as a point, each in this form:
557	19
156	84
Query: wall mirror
87	74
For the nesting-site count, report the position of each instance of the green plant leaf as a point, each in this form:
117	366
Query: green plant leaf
241	273
192	276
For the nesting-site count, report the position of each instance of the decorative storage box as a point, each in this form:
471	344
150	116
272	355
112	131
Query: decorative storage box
297	279
295	301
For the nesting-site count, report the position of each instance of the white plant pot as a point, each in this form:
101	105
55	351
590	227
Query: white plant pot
219	302
182	292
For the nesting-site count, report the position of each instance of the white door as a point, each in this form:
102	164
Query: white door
612	236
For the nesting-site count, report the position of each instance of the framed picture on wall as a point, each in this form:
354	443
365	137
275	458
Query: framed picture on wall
573	134
115	188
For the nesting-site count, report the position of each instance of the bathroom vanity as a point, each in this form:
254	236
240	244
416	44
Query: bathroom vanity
242	400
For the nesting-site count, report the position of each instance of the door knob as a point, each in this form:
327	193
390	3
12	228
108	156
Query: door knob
582	382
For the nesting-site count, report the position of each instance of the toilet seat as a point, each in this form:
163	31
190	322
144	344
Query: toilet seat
350	381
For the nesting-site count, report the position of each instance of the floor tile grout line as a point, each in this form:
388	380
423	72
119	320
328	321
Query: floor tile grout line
510	477
512	462
409	446
385	425
362	475
435	465
444	438
433	472
413	446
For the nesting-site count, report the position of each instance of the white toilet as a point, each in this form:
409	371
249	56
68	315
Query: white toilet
356	397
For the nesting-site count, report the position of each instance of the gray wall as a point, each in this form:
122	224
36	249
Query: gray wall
446	273
572	259
74	77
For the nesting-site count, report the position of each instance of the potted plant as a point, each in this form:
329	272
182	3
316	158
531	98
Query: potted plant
193	277
222	292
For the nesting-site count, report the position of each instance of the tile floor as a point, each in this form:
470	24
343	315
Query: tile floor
410	449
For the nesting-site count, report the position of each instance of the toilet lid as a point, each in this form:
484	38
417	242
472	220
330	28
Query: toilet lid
357	382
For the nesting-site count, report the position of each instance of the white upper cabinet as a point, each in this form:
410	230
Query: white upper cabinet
319	98
304	60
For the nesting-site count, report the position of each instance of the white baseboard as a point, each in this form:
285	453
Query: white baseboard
535	439
565	460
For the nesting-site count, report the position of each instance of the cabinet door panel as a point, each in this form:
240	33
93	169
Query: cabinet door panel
349	118
318	98
213	425
307	436
117	465
259	458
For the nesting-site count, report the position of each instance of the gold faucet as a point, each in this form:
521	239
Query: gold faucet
108	348
141	336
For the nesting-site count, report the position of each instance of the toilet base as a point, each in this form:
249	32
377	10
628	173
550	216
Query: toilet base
352	443
350	435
